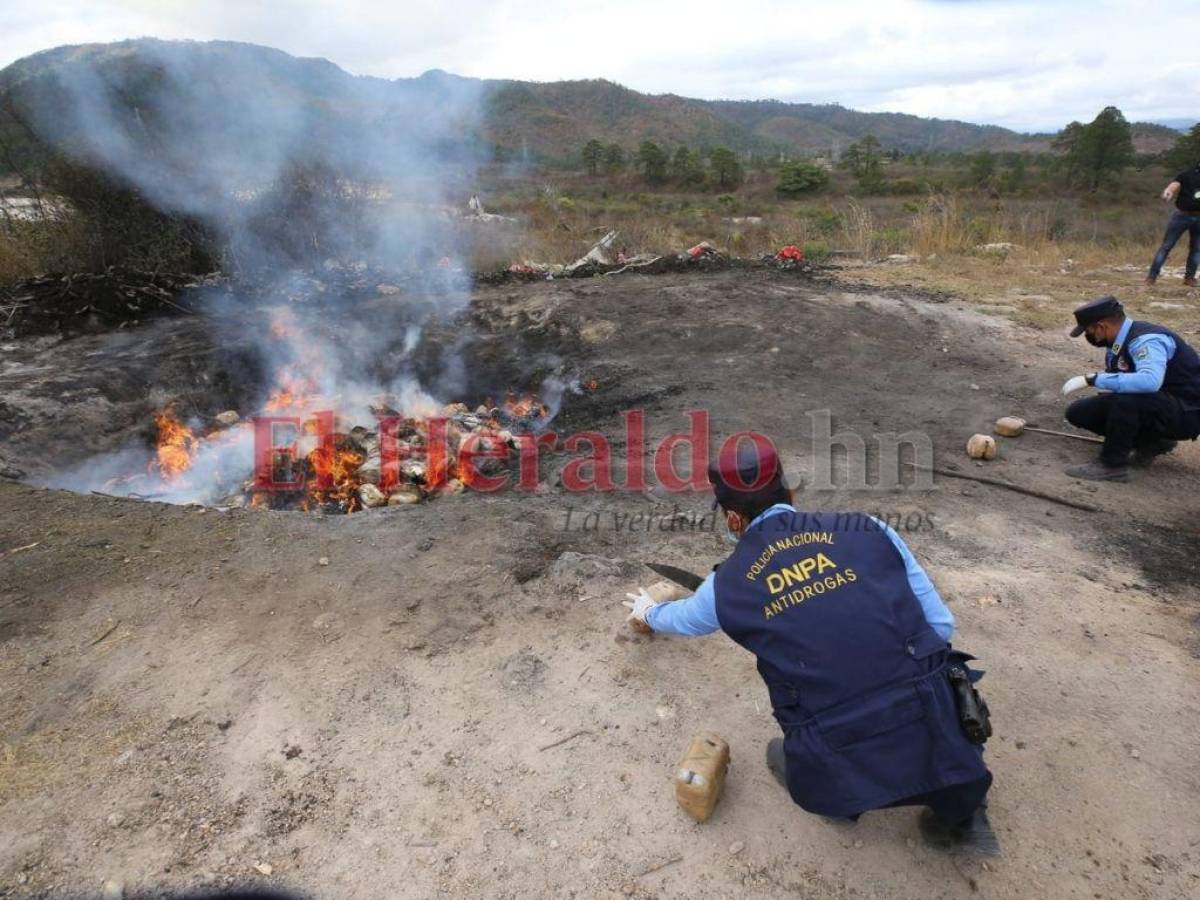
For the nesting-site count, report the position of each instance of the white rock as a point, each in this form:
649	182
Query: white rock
113	890
323	561
264	868
371	496
405	495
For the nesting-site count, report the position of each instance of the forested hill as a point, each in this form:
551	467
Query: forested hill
509	119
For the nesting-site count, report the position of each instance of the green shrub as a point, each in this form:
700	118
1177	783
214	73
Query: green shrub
796	178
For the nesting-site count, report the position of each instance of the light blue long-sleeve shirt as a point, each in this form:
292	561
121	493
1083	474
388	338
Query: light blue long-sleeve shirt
1150	352
697	614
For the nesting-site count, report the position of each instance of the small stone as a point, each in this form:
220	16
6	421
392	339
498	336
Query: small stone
1135	754
553	844
264	868
974	387
113	890
487	801
858	845
736	847
22	877
405	495
323	561
115	820
371	496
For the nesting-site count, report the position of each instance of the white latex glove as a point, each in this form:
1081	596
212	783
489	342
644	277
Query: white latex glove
1078	383
639	604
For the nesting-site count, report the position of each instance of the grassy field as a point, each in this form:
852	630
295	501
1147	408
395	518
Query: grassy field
940	228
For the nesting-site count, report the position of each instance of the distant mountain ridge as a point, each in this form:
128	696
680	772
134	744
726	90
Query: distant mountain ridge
535	120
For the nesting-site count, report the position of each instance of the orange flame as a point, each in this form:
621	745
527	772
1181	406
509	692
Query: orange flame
176	444
525	405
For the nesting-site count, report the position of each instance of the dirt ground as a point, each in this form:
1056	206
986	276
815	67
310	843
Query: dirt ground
453	706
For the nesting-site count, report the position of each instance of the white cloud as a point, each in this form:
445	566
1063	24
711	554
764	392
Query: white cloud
1020	63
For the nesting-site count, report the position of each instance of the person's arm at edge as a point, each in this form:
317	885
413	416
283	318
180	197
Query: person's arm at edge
938	616
1151	369
690	617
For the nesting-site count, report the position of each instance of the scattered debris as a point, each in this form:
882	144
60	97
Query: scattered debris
69	304
264	868
19	549
111	628
661	865
599	256
561	741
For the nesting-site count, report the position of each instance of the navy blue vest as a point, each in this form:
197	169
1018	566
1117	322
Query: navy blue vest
1182	378
855	674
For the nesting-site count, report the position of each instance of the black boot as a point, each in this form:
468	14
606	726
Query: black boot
1099	471
776	761
974	836
1145	454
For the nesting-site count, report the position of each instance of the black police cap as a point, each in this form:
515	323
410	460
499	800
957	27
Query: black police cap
1095	311
747	476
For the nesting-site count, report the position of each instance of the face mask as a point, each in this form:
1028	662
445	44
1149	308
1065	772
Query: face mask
730	535
1094	341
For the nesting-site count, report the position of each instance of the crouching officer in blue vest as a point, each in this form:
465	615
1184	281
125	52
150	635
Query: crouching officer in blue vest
852	642
1153	376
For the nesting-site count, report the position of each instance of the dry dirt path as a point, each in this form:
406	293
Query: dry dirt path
187	697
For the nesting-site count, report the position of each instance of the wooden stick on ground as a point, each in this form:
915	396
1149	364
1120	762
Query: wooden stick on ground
569	737
661	865
1079	437
1020	489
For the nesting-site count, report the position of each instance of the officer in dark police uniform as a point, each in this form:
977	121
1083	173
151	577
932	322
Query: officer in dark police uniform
1153	379
852	642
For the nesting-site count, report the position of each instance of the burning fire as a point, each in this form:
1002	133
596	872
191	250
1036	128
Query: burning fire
176	445
318	462
525	406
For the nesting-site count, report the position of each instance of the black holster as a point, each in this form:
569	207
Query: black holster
973	712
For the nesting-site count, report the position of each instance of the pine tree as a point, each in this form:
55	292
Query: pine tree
800	178
593	152
653	162
726	169
1186	151
614	159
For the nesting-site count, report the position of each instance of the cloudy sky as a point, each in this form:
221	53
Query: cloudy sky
1025	64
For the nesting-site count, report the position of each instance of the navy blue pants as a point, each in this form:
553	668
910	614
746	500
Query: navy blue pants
1176	226
1130	421
956	804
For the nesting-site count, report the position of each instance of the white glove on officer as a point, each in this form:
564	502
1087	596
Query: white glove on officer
1078	383
639	604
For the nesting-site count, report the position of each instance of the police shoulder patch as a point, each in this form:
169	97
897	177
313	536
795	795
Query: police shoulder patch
1143	353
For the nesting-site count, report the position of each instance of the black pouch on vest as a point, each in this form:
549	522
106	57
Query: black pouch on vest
973	712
